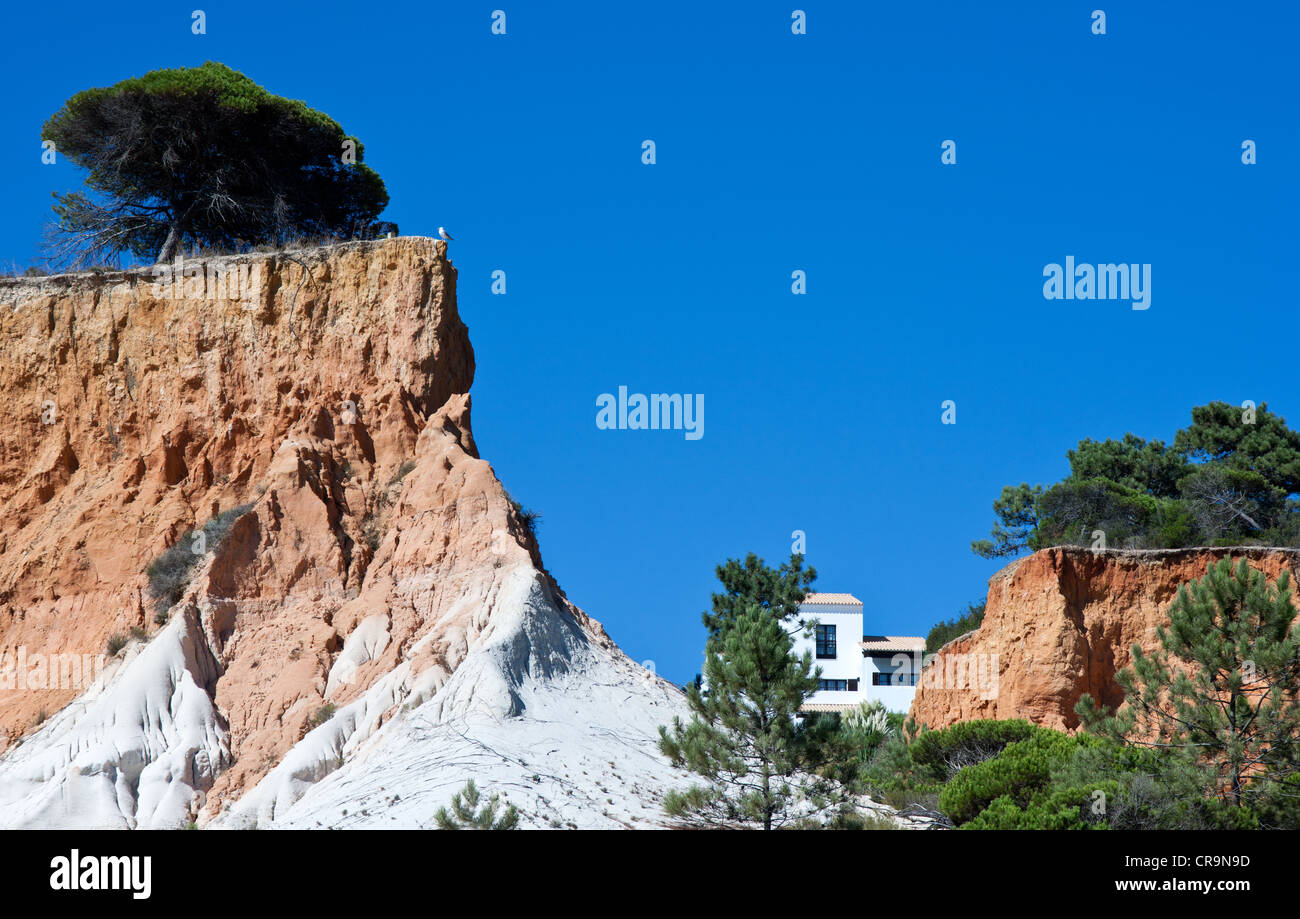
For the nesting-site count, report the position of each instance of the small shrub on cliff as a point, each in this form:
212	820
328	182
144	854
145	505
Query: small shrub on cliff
402	472
465	813
13	271
321	715
371	537
219	526
116	643
170	571
527	516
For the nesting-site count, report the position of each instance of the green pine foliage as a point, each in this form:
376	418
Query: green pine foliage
946	631
778	591
466	814
203	156
1057	809
742	736
1222	690
946	752
1016	528
1020	772
1230	478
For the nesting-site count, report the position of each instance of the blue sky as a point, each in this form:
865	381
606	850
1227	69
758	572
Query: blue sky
778	152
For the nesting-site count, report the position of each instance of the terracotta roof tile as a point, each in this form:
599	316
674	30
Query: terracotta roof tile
831	599
883	643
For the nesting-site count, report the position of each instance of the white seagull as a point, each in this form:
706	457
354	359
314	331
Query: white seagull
444	235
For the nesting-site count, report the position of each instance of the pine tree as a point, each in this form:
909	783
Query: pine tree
779	591
203	156
742	736
1222	689
466	815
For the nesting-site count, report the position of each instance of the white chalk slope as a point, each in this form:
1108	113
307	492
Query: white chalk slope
562	726
136	750
559	723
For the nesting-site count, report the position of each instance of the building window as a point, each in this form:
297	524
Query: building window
853	685
835	685
893	679
825	641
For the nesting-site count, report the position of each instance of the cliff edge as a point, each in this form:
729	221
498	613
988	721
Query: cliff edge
1060	623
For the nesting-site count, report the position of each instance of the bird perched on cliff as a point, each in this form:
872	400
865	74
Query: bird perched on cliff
444	235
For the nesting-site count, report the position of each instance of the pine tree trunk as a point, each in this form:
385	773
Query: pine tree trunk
767	799
170	244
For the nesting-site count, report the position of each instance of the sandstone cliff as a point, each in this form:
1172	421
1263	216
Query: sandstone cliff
1060	623
376	584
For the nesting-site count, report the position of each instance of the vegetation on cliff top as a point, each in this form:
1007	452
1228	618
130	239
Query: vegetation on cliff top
946	631
204	156
1231	478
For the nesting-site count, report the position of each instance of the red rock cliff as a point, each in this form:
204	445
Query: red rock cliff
1060	623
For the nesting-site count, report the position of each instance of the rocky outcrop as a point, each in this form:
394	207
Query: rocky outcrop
1060	623
376	585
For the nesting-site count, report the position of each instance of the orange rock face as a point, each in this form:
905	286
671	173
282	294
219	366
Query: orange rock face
330	397
1060	623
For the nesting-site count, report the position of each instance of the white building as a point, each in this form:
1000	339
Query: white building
856	667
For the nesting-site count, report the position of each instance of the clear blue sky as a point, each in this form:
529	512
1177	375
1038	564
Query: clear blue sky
779	152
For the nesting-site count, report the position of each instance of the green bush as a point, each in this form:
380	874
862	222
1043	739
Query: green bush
948	751
1059	809
465	813
1055	781
170	571
1019	771
946	631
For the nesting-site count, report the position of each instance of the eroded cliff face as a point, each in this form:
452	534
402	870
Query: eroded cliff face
131	417
1060	623
372	552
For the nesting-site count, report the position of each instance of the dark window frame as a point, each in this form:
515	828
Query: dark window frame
826	643
899	678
